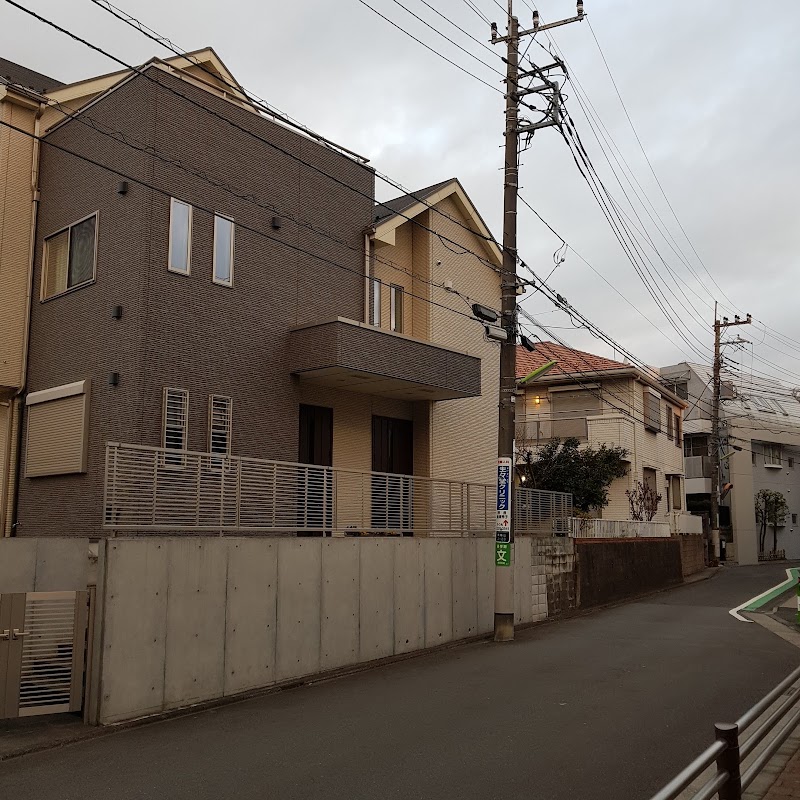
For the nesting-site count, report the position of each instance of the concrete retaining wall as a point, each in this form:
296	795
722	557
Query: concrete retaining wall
57	564
186	620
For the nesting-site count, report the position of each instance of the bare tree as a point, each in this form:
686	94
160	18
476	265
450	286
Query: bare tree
771	510
643	501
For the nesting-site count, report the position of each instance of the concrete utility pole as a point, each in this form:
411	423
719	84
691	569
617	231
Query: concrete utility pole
715	437
504	536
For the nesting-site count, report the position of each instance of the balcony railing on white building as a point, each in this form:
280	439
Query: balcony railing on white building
149	489
580	528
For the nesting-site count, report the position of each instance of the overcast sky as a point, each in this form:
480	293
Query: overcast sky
710	87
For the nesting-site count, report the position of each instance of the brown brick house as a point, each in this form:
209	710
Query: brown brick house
201	285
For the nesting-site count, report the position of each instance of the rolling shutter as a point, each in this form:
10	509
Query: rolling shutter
57	430
569	412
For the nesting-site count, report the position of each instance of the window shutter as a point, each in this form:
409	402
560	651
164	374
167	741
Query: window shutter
58	426
652	410
569	412
219	436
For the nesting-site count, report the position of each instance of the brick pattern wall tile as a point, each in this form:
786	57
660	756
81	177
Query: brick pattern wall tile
185	331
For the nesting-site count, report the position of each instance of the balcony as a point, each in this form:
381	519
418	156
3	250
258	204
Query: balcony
698	474
349	355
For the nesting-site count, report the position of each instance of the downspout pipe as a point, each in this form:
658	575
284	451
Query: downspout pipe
367	259
23	378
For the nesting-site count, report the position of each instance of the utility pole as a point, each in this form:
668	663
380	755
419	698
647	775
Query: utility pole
504	536
719	326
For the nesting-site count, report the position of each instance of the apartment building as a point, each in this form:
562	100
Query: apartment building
759	448
208	280
601	401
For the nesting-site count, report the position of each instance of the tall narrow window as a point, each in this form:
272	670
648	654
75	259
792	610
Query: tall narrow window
223	250
670	424
176	423
376	303
396	308
678	431
180	236
70	257
220	421
675	491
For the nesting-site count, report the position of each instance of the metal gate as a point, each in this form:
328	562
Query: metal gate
42	652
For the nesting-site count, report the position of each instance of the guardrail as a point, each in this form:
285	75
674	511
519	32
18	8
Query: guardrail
580	528
728	753
151	489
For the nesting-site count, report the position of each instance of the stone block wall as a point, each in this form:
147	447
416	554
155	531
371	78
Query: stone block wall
692	554
553	576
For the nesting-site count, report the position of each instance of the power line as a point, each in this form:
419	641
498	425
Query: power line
474	8
428	47
84	117
142	72
211	212
649	164
448	39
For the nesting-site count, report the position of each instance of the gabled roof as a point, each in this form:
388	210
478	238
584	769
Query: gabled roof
28	78
570	362
399	205
100	83
391	214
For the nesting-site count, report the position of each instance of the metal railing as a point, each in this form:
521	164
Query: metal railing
728	753
541	513
157	489
580	528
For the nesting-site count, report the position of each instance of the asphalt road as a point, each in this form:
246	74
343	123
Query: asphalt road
606	705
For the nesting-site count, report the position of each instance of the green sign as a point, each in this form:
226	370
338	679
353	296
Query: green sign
502	554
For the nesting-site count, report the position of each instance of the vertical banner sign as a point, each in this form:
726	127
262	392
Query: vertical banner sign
502	535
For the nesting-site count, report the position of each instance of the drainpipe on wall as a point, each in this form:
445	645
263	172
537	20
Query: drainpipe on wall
10	530
367	254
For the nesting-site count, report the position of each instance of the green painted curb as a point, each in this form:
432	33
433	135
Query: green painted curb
775	592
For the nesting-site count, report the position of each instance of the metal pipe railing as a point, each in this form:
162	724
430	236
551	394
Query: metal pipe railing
728	782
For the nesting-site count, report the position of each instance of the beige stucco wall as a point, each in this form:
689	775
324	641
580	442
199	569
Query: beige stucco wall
16	218
352	421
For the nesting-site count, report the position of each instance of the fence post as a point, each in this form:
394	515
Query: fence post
729	760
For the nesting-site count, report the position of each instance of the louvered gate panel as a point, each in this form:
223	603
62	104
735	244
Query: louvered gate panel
45	645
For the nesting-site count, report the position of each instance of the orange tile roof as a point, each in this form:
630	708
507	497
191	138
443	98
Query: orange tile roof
570	362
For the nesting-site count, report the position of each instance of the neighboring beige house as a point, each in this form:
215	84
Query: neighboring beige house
601	401
20	106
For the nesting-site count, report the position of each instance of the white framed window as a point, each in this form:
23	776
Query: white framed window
176	424
772	454
180	237
396	308
223	250
220	422
70	257
376	303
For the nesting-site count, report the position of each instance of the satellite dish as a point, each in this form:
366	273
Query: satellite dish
796	394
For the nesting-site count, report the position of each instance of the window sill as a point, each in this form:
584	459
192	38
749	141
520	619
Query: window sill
773	466
68	291
184	272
